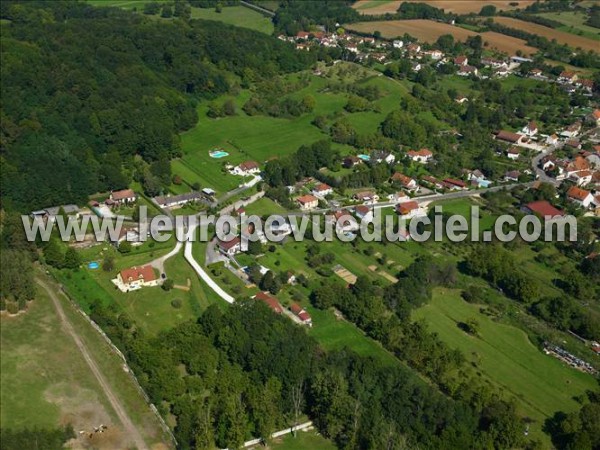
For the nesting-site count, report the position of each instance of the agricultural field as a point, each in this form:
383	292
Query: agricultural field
375	7
505	358
429	31
239	16
573	23
46	382
549	33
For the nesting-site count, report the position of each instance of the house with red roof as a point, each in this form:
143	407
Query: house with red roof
270	301
409	210
454	184
542	208
509	136
580	196
135	278
301	314
307	202
406	182
246	168
230	247
363	212
123	196
423	156
530	129
322	190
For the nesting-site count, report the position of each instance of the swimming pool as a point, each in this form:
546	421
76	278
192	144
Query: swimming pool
93	265
365	157
218	154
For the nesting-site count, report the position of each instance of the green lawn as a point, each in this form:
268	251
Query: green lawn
373	4
506	358
264	206
304	440
573	23
125	4
236	15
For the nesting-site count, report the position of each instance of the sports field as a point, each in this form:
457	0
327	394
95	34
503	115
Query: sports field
574	22
374	7
549	33
429	31
505	357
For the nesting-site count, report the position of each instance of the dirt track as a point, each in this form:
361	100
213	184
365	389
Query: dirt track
130	430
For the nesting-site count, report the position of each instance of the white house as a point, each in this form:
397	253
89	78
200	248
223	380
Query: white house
397	43
572	130
411	209
380	156
307	202
363	212
530	129
580	196
552	139
123	196
230	247
322	190
467	70
513	153
246	168
422	156
582	177
172	201
367	197
406	182
135	278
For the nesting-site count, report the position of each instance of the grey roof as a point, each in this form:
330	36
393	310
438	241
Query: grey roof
190	196
69	209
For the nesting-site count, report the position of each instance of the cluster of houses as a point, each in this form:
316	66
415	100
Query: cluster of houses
295	312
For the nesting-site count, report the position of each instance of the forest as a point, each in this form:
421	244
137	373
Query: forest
100	94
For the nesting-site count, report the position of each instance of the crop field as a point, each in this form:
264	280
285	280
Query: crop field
236	15
505	357
429	31
375	7
573	23
549	33
47	383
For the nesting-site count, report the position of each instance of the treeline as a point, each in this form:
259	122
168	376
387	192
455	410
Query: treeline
540	20
36	438
579	430
411	10
246	372
369	306
86	89
293	16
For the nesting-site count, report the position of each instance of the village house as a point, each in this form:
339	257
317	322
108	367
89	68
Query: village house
363	212
579	196
467	70
131	235
508	136
552	139
413	48
477	178
174	201
422	156
270	301
380	156
530	129
322	190
494	63
512	175
567	77
307	202
230	247
135	278
398	197
461	60
406	182
367	197
454	184
301	314
436	55
397	43
343	221
351	161
432	182
582	177
513	153
542	208
585	85
410	209
572	130
246	168
122	197
594	117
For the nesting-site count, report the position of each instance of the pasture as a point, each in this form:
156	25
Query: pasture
239	16
574	22
504	357
375	7
429	31
561	37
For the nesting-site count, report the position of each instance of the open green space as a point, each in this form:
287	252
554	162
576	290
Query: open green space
574	22
504	357
125	4
236	15
264	206
303	440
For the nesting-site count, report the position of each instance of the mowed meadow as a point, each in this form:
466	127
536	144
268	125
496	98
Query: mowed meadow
375	7
429	31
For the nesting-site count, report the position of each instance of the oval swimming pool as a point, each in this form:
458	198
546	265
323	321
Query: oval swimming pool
93	265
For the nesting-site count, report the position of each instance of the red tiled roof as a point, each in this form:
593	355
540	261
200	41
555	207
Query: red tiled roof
406	207
270	301
145	273
544	208
577	193
123	194
322	187
362	210
423	152
307	199
455	182
508	136
249	165
226	245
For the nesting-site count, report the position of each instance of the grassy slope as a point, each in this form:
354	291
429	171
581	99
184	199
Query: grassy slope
506	358
236	15
574	23
304	441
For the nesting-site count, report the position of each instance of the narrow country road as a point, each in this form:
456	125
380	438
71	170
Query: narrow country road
129	428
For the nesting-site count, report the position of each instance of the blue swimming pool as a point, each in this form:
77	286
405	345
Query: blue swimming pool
365	157
218	154
93	265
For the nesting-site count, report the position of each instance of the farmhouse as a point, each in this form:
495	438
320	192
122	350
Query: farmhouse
230	247
173	201
307	202
247	168
270	301
135	278
406	182
322	190
580	196
301	314
542	208
123	197
508	136
423	156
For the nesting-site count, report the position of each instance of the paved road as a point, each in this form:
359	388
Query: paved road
129	427
159	263
253	182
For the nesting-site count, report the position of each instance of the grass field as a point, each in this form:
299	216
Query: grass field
125	4
374	7
429	31
574	23
505	357
304	440
236	15
46	382
549	33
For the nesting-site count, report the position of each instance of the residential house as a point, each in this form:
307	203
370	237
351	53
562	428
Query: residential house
122	197
432	182
513	153
454	184
173	201
552	139
398	197
582	177
512	175
461	60
270	301
467	70
461	99
307	202
542	208
594	117
343	221
530	129
406	182
477	178
580	196
301	314
397	43
568	77
494	63
508	136
351	161
572	130
573	143
380	156
409	210
230	247
413	48
363	212
423	156
585	85
436	55
536	72
416	66
322	190
135	278
247	168
366	196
